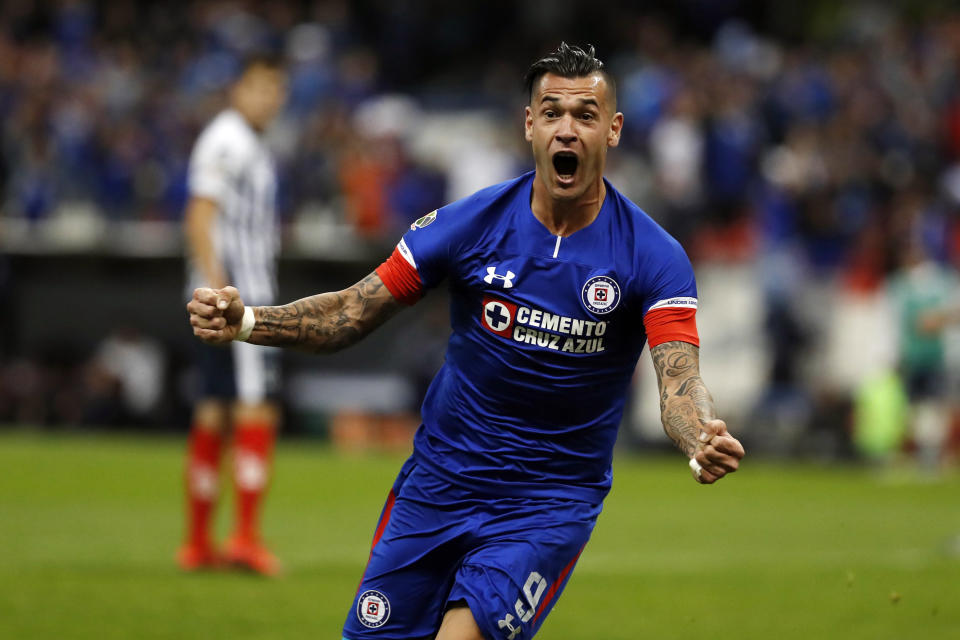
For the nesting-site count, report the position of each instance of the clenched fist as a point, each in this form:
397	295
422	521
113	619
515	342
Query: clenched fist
718	453
216	314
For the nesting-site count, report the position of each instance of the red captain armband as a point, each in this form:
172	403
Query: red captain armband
401	279
671	323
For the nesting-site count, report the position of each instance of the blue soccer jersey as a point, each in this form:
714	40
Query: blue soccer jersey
547	331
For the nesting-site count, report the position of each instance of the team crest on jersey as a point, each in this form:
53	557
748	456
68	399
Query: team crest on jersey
373	609
426	220
601	294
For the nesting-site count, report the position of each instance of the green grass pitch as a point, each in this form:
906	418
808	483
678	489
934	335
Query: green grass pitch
89	525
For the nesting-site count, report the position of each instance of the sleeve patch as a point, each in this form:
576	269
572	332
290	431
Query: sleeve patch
674	303
669	324
400	277
406	253
424	221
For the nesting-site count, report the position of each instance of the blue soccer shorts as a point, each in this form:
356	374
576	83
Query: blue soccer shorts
238	371
437	545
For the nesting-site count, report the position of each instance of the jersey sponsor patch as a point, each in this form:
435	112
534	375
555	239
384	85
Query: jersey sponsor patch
424	221
600	294
373	609
540	328
497	316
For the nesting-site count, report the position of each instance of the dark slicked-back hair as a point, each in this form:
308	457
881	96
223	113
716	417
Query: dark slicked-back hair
568	62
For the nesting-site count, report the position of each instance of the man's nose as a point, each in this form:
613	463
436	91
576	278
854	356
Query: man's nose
566	132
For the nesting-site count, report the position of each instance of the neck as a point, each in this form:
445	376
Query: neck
564	217
246	118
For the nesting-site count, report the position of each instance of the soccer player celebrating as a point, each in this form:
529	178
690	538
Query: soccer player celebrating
556	283
232	237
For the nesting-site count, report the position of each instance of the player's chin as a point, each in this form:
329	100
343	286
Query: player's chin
567	187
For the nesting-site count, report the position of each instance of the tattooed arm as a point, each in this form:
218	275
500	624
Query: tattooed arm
326	322
685	402
687	412
323	323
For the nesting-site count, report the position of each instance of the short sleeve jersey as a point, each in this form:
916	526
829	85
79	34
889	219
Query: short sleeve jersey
232	166
546	336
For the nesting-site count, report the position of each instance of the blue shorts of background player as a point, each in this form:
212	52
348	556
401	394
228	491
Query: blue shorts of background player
438	546
237	372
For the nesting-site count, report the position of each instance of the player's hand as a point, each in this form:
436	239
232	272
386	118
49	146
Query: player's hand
718	452
215	314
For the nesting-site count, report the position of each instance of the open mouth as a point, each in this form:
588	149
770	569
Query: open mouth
565	163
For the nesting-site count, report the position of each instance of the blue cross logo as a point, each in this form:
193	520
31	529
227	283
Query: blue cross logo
497	315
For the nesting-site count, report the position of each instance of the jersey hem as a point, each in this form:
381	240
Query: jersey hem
536	490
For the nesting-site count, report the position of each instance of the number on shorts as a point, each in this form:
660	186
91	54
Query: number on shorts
532	590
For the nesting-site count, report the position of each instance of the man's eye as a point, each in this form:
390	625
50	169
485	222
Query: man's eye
586	116
549	114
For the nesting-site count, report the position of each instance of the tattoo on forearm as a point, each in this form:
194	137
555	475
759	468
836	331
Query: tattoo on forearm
685	402
681	423
673	358
694	388
326	322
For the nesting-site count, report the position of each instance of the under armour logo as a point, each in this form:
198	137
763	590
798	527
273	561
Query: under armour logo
505	624
493	275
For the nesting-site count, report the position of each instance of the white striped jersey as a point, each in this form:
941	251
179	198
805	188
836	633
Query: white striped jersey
232	166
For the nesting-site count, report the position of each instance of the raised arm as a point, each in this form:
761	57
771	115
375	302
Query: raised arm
326	322
322	323
688	415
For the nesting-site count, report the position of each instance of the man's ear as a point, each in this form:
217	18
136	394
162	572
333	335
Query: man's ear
616	126
528	124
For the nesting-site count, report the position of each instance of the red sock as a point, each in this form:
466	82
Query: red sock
202	483
251	473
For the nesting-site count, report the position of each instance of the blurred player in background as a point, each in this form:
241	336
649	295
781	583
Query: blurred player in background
925	296
232	238
557	281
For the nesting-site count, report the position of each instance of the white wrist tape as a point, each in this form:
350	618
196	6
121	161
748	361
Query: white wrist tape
246	325
697	469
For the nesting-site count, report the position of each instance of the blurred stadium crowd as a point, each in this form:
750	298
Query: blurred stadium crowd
817	147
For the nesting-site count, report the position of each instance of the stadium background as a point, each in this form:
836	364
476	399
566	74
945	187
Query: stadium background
793	148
